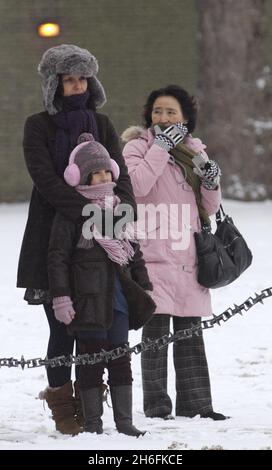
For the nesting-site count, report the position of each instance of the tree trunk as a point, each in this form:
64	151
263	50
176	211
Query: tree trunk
235	95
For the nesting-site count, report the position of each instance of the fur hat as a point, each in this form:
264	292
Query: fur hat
71	60
88	156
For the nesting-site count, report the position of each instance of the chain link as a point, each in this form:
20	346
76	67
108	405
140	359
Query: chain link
155	345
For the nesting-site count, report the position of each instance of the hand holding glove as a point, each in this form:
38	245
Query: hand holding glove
63	308
171	136
208	171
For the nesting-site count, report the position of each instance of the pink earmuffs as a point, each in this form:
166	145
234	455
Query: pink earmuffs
72	173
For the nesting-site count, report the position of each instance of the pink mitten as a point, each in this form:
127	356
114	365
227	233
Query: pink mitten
63	308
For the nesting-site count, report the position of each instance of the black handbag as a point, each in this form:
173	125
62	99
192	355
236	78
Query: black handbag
222	256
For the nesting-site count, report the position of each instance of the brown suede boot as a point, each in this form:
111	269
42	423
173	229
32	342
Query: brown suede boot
62	404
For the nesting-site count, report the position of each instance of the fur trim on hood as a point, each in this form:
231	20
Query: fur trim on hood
72	60
133	132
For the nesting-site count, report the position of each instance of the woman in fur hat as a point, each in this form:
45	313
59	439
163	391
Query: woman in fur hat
162	174
92	289
71	94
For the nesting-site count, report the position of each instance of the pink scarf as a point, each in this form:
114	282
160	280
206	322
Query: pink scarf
119	251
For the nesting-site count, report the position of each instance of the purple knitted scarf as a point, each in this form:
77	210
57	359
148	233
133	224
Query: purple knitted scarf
119	251
73	120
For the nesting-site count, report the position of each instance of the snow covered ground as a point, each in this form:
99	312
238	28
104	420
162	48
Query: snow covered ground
239	355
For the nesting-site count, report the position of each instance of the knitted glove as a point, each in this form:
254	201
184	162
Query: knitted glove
63	308
171	136
208	171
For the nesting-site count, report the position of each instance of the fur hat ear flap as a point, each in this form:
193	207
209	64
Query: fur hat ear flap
72	174
115	170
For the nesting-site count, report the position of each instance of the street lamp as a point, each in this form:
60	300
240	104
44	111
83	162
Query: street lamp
49	30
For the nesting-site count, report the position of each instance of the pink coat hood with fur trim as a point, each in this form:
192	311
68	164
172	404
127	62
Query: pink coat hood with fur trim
169	247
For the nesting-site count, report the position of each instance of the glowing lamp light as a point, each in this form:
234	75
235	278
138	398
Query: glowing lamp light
48	30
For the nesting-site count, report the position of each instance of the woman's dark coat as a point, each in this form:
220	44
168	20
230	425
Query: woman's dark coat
88	277
51	194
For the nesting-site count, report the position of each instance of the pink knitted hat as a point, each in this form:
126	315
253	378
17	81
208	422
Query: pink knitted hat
88	156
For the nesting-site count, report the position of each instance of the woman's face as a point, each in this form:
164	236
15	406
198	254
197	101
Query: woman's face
166	111
74	85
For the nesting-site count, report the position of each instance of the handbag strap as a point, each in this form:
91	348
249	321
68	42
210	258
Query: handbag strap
219	217
220	214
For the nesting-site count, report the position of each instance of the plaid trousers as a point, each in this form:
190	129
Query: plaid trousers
193	393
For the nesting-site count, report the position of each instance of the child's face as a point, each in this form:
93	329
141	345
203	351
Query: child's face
100	176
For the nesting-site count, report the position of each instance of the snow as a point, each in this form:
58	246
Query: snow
260	125
239	355
252	191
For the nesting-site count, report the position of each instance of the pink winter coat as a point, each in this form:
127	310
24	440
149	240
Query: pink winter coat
155	180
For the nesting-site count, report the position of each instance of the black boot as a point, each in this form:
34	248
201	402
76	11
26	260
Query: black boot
92	407
121	397
90	386
215	416
78	406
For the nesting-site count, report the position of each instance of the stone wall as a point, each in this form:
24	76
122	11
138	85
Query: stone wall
140	45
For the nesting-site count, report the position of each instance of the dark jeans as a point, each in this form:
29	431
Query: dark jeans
90	342
59	344
117	334
62	344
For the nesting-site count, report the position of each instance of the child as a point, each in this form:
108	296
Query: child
98	287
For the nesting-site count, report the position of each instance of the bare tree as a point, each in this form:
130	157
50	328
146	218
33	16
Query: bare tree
235	94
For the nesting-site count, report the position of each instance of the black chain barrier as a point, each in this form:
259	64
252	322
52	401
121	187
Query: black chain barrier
155	345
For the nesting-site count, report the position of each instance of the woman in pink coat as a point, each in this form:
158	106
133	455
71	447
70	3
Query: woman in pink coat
169	215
